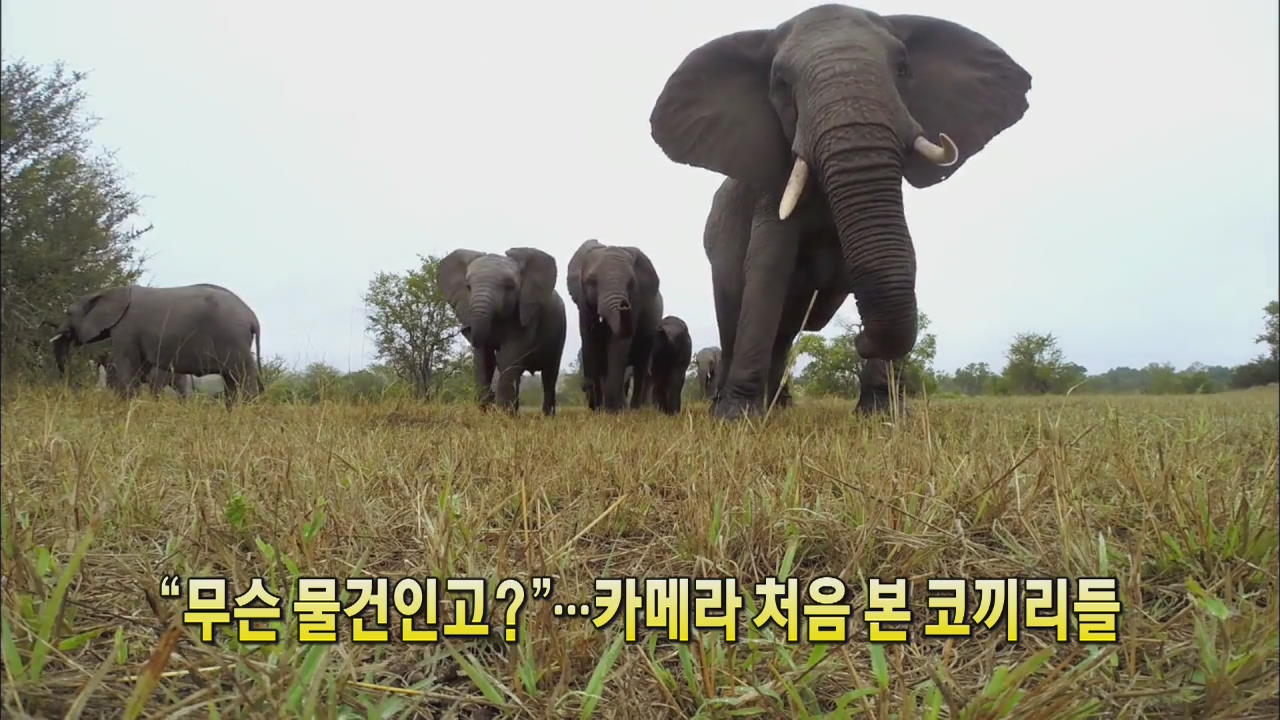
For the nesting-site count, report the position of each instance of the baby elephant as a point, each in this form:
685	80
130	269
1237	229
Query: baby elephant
672	351
513	317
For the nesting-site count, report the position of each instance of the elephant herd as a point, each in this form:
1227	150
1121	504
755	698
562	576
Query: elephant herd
516	322
814	123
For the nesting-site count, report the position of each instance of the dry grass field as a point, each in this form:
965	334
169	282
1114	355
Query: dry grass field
1175	497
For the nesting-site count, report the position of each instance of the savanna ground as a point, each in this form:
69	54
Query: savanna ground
1174	496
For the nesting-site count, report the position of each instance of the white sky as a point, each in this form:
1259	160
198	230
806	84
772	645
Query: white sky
290	150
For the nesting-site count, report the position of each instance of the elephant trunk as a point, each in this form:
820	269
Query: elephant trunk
481	319
618	314
61	350
860	167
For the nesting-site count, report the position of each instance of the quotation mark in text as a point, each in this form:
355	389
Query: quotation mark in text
171	586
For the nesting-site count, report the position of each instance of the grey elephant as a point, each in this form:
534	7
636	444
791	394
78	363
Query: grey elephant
199	329
846	103
669	363
616	290
706	363
513	317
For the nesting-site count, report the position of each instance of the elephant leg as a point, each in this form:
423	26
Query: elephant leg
640	390
771	259
615	368
726	240
230	388
508	388
549	378
874	391
128	374
788	328
670	395
510	371
184	384
162	379
484	365
239	378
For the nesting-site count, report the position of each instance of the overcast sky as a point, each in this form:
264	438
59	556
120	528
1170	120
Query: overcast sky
291	150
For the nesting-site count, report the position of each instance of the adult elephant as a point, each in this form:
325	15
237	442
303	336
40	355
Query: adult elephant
846	103
512	316
619	306
669	363
197	329
706	362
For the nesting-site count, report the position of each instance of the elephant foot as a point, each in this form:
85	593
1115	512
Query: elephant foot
732	408
875	402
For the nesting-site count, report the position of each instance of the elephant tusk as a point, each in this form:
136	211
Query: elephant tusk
945	155
55	338
795	186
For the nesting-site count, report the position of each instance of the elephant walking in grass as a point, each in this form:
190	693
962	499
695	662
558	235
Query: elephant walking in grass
669	363
198	329
513	317
706	364
816	123
619	306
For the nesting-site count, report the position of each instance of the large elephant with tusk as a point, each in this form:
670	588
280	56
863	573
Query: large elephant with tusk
816	122
619	307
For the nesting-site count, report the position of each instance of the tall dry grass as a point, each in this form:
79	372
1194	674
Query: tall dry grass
1174	496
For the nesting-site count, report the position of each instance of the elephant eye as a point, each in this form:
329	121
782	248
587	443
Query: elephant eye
904	70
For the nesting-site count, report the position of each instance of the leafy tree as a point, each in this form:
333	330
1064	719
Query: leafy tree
569	386
975	379
1069	375
64	209
1037	366
835	366
1265	368
415	330
1162	379
273	368
1271	335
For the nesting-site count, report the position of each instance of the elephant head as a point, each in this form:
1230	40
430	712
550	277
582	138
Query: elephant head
608	280
706	363
487	288
90	319
859	101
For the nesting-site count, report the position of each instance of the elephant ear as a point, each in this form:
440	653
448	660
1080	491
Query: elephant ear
714	111
646	277
962	84
102	311
537	281
453	281
574	270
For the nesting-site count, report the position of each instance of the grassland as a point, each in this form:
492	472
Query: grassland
1176	497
